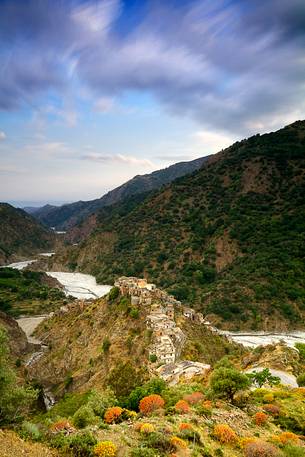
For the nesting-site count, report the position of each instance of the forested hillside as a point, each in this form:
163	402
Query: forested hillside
228	239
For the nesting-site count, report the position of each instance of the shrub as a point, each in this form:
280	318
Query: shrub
272	409
81	444
268	398
99	402
260	418
194	398
158	441
84	416
301	380
224	434
178	443
288	437
62	425
114	293
207	404
182	407
243	442
151	403
30	431
106	345
293	451
190	435
259	378
113	415
227	381
147	428
301	348
260	449
105	449
185	426
153	358
154	386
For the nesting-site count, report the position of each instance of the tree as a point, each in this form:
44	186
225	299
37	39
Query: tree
225	382
15	401
301	380
259	378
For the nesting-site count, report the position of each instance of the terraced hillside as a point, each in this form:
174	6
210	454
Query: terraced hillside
228	239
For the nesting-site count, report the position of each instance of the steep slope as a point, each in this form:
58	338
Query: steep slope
67	216
228	239
111	341
21	235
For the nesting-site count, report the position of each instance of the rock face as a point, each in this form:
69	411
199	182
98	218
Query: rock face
18	342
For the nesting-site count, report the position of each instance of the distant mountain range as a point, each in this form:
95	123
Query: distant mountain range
228	239
66	216
21	235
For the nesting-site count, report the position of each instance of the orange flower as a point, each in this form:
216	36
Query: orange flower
182	407
286	437
151	403
113	414
260	418
225	434
185	426
194	398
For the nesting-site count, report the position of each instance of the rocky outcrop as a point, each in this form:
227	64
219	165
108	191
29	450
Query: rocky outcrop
17	339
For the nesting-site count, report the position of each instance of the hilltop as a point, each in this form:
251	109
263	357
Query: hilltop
69	215
228	239
21	235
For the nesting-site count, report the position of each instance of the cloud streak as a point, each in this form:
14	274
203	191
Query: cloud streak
117	158
231	66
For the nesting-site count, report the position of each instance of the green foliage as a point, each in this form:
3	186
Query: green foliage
301	380
100	401
106	345
84	416
293	451
134	313
259	378
153	358
68	405
225	382
143	452
15	400
124	378
114	293
301	348
154	386
159	441
30	431
79	444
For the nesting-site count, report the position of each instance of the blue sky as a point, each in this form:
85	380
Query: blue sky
95	92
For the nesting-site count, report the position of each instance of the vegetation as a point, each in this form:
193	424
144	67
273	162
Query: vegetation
226	382
27	292
228	239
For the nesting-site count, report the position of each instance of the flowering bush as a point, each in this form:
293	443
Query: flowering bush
194	398
272	409
182	407
207	404
113	414
225	434
260	449
268	398
288	437
185	426
105	449
178	443
243	442
151	403
260	418
62	425
300	391
147	428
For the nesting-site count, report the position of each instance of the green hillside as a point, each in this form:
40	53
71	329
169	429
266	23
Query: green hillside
229	239
21	235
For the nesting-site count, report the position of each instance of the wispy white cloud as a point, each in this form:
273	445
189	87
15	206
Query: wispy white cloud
117	158
2	135
212	142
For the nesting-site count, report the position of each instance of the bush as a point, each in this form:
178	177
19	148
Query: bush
293	451
147	428
224	434
272	409
182	407
81	444
99	402
105	449
259	378
225	382
260	418
301	348
113	415
114	293
261	449
288	437
30	431
178	443
301	380
106	345
194	398
154	386
62	425
142	452
84	416
153	358
151	403
158	441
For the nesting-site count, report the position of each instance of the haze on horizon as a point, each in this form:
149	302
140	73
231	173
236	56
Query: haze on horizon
94	92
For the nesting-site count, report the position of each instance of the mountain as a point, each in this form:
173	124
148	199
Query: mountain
228	239
21	235
69	215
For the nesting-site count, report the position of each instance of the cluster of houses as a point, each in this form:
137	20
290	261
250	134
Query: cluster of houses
167	338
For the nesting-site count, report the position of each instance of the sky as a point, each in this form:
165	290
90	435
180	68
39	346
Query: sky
95	92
